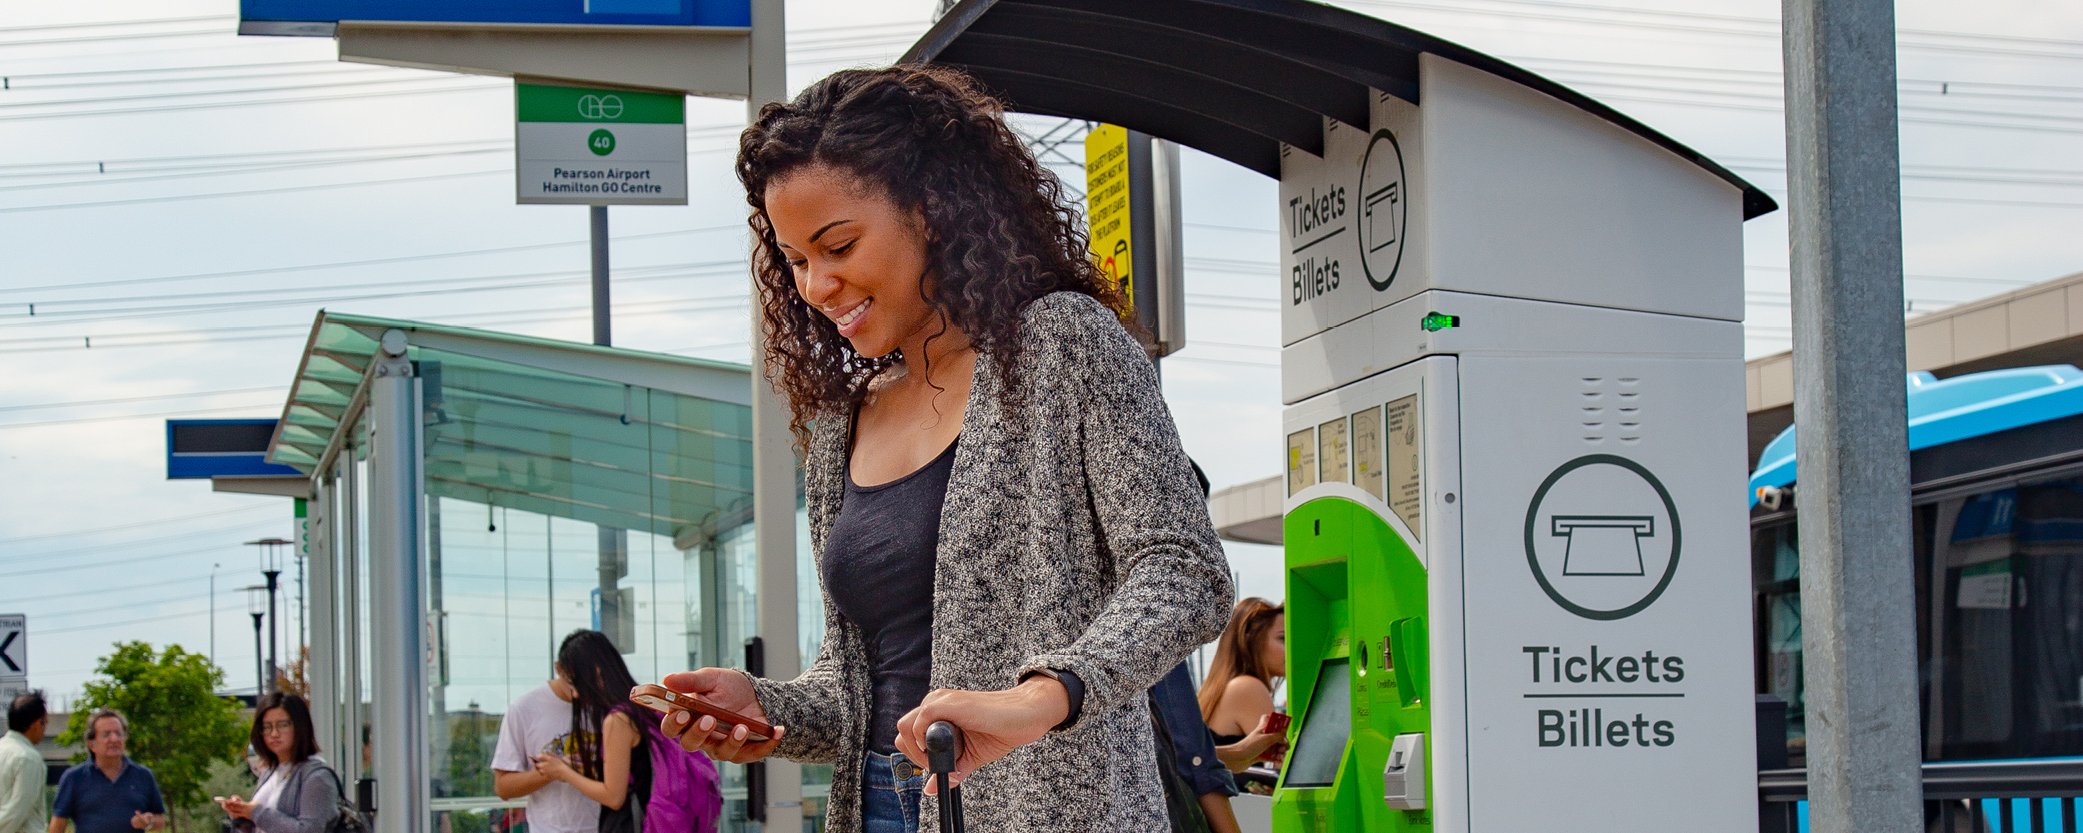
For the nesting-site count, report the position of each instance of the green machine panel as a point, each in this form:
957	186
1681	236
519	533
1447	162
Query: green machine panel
1358	670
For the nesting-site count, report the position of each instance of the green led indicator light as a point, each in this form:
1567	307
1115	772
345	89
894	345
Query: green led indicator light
1435	321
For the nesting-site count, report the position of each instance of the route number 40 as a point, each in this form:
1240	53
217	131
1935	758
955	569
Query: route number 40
601	143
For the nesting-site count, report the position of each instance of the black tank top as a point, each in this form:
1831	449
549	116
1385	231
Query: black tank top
878	569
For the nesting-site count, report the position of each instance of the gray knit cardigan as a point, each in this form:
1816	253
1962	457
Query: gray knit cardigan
1073	536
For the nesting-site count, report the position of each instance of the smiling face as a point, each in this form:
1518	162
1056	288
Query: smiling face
857	258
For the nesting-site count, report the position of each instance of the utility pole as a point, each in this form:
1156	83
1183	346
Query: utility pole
1844	213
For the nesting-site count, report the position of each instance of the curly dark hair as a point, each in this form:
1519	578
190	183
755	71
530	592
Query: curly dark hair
999	231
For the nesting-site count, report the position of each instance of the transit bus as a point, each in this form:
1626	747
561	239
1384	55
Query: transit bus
1996	514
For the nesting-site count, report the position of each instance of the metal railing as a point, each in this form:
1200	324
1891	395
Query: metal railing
1971	797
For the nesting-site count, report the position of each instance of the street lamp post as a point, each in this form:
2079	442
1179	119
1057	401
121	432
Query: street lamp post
271	566
255	607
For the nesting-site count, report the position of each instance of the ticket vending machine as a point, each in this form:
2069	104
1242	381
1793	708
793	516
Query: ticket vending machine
1516	571
1512	365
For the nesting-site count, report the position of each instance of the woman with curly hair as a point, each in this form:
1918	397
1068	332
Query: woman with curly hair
1007	532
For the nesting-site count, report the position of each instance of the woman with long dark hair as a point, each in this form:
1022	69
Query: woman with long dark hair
1237	694
606	737
298	792
1006	529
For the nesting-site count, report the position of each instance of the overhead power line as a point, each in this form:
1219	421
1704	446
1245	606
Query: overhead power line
101	73
466	85
504	318
97	626
346	264
708	269
104	24
328	294
1729	25
154	522
158	537
288	189
82	403
126	36
264	407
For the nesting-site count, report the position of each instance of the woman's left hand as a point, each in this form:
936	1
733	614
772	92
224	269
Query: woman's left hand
993	723
553	767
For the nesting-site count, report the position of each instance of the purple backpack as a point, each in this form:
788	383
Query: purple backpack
679	790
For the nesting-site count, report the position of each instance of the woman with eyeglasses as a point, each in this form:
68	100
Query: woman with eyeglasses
299	792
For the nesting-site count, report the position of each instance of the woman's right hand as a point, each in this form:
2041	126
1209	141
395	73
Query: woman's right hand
702	733
1257	743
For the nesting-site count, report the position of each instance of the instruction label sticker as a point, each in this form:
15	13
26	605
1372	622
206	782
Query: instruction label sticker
1369	471
1406	474
1301	460
1331	453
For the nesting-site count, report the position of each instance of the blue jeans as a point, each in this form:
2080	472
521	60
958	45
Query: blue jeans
890	790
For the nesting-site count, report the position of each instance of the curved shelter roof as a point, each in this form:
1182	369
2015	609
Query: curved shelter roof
620	438
1232	78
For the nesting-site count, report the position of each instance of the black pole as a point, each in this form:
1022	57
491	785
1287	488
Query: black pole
274	659
601	332
259	679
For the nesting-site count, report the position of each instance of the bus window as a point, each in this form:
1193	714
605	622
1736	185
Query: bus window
1776	562
2008	568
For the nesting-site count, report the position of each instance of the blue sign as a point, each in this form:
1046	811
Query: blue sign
315	17
199	449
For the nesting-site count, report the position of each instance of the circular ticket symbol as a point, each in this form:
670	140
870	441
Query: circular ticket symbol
1384	218
601	143
1602	537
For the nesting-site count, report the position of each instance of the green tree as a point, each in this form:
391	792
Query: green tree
469	767
178	725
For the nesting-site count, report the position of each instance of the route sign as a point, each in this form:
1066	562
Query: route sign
589	146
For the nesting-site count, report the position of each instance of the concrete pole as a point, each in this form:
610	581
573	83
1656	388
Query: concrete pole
396	594
773	457
1857	601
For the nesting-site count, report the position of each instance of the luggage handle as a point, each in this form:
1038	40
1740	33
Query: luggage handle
943	749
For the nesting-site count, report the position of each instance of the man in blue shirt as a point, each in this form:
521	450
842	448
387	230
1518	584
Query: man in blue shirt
109	793
1193	753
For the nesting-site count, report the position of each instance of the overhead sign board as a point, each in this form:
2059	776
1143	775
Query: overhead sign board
200	449
14	655
318	17
592	146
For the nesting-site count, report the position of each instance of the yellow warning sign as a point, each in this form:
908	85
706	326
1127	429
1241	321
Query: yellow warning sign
1106	203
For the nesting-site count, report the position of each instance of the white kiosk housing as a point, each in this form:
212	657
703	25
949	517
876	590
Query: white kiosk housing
1511	332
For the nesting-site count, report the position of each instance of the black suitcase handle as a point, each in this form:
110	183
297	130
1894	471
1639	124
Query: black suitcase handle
943	748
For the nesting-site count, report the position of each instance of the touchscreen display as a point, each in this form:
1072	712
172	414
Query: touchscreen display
1325	729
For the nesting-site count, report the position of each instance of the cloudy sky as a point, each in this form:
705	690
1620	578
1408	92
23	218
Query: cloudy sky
183	200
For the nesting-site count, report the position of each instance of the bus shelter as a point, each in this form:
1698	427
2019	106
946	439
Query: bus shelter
476	496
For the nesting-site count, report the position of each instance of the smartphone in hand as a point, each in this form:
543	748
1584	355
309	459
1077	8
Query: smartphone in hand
664	700
1274	723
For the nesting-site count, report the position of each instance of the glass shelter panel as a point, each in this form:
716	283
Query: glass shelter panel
554	504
